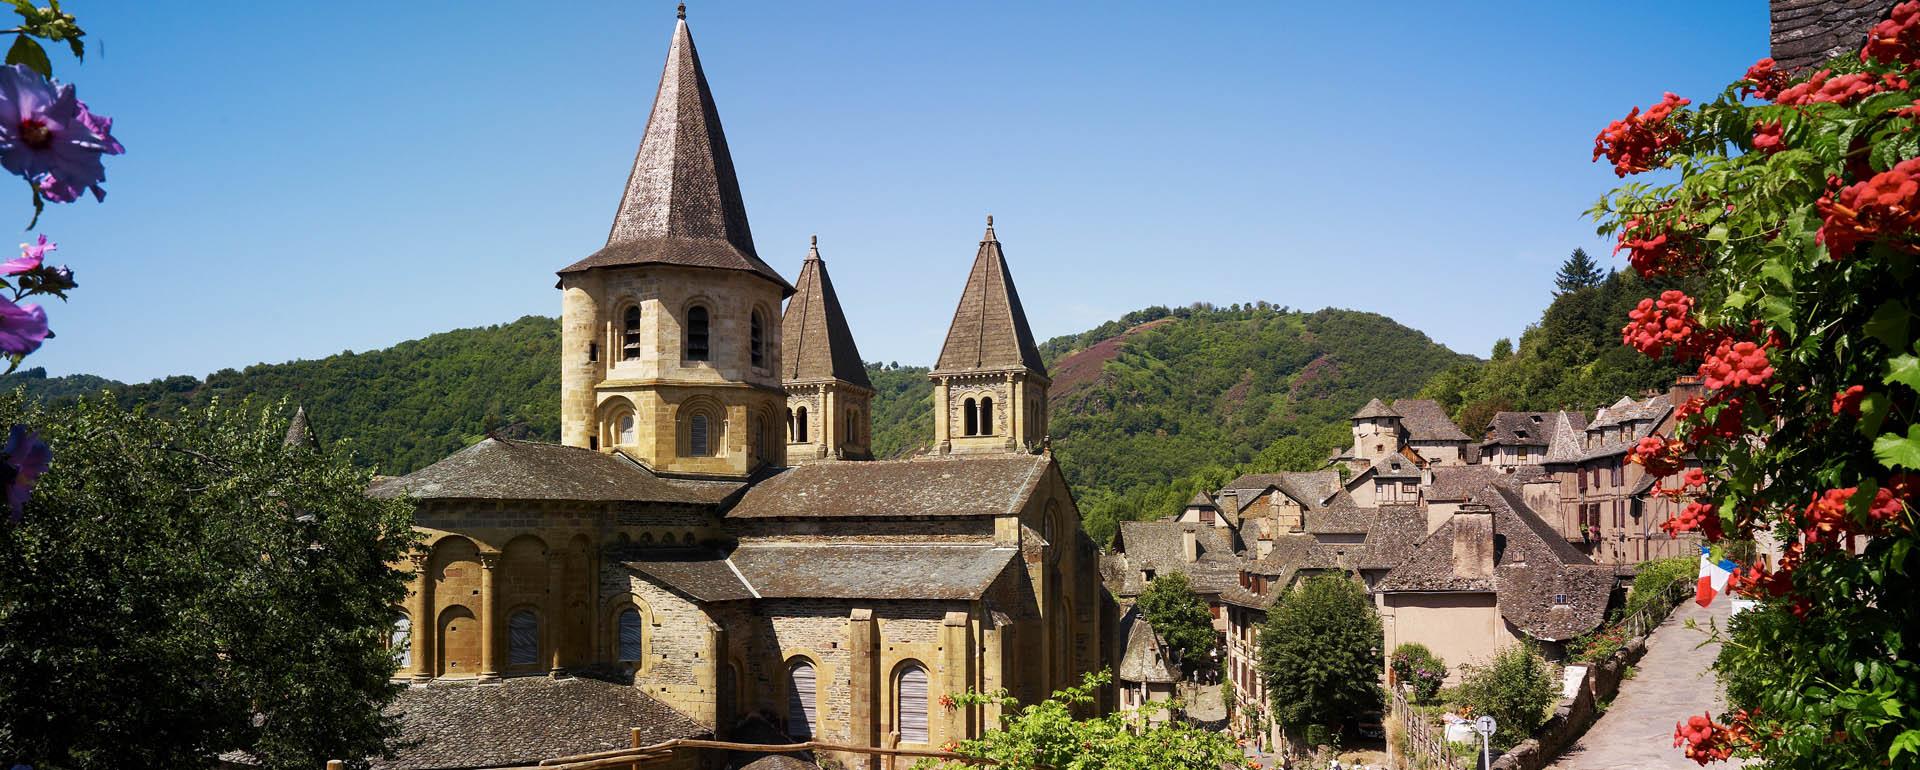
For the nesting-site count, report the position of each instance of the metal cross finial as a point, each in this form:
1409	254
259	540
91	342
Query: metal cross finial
682	13
814	239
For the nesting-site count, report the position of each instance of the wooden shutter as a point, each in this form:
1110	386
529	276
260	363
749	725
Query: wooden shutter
800	701
523	639
913	705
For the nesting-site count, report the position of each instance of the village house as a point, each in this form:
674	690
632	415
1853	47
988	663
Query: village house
710	550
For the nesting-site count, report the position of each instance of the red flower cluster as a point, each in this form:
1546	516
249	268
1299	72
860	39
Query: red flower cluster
1728	423
1652	252
1696	517
1768	136
1848	401
1886	204
1635	143
1661	457
1694	477
1705	740
1736	364
1657	324
1756	582
947	701
1826	88
1765	81
1826	517
1897	39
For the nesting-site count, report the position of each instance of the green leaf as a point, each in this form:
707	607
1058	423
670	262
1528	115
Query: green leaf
1889	324
27	51
1873	412
1906	741
1779	310
1904	369
1894	451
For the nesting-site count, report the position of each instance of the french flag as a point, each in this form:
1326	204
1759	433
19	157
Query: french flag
1713	577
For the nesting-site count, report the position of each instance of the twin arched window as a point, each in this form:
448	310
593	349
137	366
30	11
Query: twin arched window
801	693
523	638
977	417
631	642
910	704
697	334
630	333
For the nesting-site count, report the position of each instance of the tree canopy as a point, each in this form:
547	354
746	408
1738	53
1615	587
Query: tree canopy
1181	618
184	587
1048	735
1320	653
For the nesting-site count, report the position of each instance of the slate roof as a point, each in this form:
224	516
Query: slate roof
1806	33
682	202
299	431
1459	482
1395	467
1200	500
989	329
815	342
1520	429
1533	565
1374	409
855	571
1634	419
1158	545
522	720
1425	420
1312	489
497	469
976	485
1143	658
1396	530
701	574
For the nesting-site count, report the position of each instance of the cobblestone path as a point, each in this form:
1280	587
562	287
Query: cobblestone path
1672	681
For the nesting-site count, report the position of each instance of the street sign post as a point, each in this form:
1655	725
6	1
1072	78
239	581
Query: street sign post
1485	727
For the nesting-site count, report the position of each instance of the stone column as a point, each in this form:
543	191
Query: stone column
555	621
420	613
942	415
1014	409
955	651
863	660
489	628
829	422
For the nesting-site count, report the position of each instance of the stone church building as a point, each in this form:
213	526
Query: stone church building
711	547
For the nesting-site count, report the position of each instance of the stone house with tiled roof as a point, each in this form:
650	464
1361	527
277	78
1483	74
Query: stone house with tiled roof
710	550
1608	507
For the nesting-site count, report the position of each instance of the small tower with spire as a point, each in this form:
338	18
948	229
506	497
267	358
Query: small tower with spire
670	346
989	386
829	398
1376	432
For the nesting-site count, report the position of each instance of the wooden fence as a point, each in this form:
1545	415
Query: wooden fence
1641	623
1426	742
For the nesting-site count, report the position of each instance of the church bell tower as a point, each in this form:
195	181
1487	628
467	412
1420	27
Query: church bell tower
670	334
989	386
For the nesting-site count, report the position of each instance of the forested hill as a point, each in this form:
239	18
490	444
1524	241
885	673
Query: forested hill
1145	409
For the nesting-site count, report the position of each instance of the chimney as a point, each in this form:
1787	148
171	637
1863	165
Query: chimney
1190	545
1473	541
1684	387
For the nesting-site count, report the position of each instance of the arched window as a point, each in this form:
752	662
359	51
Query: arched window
696	333
757	341
402	644
910	699
630	334
970	416
800	425
632	643
800	699
523	638
700	444
789	424
627	432
757	436
986	417
853	426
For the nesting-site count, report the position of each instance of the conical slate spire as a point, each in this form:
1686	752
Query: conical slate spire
815	343
300	432
989	330
682	204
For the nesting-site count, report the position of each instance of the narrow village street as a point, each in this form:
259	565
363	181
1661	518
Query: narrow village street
1674	680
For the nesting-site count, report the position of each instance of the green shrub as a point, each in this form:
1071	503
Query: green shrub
1518	689
1415	665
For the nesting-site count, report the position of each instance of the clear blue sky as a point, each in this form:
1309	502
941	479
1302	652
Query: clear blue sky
307	178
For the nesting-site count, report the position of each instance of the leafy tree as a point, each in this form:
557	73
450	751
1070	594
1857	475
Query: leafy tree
1787	216
1578	272
1181	618
1502	349
1046	734
179	588
1320	653
1517	688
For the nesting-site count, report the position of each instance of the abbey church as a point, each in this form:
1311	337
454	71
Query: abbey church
712	549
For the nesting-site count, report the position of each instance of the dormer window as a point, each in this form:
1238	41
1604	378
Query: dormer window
1559	600
1536	419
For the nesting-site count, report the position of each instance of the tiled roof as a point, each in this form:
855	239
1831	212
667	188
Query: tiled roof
1459	482
989	330
682	202
1144	658
961	485
1374	409
1567	443
1395	467
1200	500
1158	546
299	432
522	720
701	574
847	571
1396	530
1806	33
1312	489
1533	566
1520	429
1634	420
496	469
1425	420
815	342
